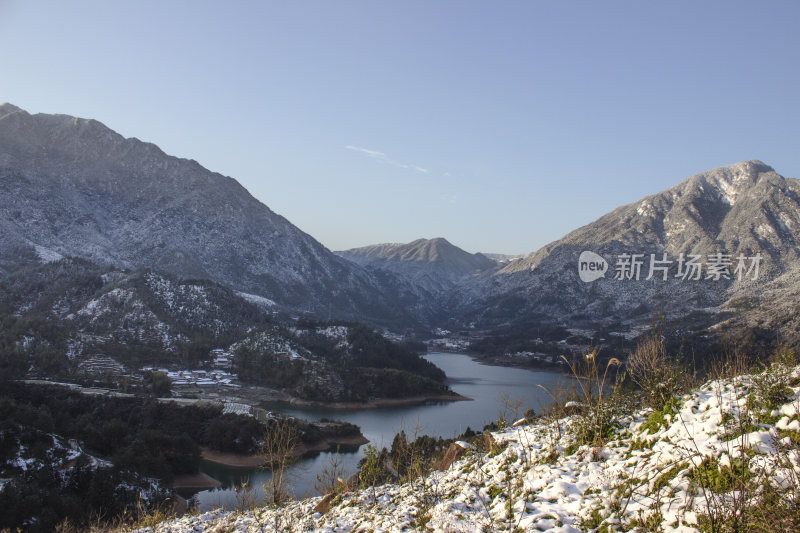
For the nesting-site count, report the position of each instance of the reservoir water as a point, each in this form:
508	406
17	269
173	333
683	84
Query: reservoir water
489	387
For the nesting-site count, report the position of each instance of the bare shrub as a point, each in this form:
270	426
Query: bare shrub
278	451
331	479
245	496
659	376
730	364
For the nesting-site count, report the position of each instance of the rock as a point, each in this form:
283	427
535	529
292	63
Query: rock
325	503
453	454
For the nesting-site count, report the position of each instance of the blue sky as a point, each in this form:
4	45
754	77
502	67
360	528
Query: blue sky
498	125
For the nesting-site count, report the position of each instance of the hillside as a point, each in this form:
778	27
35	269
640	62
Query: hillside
72	309
743	209
720	457
73	320
73	187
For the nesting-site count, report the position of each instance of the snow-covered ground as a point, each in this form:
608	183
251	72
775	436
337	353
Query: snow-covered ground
272	342
59	455
46	255
337	333
256	299
541	482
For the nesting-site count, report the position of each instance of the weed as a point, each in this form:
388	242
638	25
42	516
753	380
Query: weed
494	491
658	419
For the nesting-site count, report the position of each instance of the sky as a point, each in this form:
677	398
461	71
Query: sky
500	126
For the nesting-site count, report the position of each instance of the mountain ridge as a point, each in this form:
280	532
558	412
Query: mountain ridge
723	181
746	208
77	188
74	187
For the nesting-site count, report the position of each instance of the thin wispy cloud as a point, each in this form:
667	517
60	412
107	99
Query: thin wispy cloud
371	153
380	156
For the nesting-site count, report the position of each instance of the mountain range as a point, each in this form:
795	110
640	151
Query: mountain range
73	187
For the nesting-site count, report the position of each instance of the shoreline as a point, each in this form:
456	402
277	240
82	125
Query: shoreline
493	361
238	460
198	481
330	444
381	402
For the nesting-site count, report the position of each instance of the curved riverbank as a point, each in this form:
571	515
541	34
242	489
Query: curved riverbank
381	402
198	481
239	460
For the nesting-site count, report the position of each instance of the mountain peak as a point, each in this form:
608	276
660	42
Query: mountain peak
429	249
750	169
726	183
437	249
755	163
7	109
438	241
434	264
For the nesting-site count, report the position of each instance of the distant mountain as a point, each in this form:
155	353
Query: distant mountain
434	264
746	209
73	187
419	275
503	258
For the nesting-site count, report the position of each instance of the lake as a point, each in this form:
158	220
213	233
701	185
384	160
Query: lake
488	386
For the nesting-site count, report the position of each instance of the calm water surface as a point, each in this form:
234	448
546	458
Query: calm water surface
488	386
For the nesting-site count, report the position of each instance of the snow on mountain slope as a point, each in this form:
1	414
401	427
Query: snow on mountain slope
73	187
746	209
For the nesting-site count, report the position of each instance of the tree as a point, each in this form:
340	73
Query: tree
278	451
370	471
161	384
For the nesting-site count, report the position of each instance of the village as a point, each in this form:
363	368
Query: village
219	376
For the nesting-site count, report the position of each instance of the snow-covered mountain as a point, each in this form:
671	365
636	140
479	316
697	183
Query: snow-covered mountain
73	187
746	210
139	317
733	216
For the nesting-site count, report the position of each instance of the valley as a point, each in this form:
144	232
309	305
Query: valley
159	325
399	267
